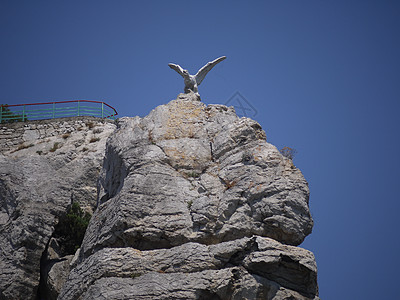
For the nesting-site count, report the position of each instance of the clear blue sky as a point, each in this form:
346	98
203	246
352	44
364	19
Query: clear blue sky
322	75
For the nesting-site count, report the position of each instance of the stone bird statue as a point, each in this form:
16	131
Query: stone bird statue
193	81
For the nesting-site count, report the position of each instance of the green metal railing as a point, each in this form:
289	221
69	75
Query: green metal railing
52	110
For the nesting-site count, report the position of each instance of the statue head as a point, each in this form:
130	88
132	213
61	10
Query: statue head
186	74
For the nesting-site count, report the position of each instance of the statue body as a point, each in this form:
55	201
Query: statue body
190	82
193	81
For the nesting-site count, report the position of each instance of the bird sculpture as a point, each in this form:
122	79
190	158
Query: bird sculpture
193	81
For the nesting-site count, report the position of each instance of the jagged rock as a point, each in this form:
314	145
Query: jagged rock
53	250
229	283
197	270
54	270
37	183
54	275
191	172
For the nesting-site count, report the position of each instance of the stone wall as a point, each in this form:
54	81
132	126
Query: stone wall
22	134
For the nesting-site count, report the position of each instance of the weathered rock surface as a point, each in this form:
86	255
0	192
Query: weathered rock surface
39	178
191	270
54	275
192	203
191	172
195	204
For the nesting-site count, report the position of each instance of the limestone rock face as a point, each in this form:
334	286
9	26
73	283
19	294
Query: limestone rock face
195	204
55	274
191	172
239	269
189	202
39	177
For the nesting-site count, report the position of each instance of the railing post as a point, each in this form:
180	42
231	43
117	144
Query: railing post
1	113
102	110
23	113
78	109
54	110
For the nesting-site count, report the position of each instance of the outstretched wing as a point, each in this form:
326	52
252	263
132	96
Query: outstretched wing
204	70
177	68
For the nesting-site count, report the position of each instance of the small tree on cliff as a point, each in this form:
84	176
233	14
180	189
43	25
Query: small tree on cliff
71	228
288	152
7	116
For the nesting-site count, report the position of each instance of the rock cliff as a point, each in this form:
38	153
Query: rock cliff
44	166
192	203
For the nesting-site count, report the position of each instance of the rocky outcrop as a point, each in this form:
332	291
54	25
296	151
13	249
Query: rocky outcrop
195	204
39	177
191	203
239	269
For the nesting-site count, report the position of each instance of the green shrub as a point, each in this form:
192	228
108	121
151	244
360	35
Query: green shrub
193	174
56	145
189	204
135	275
71	228
7	116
